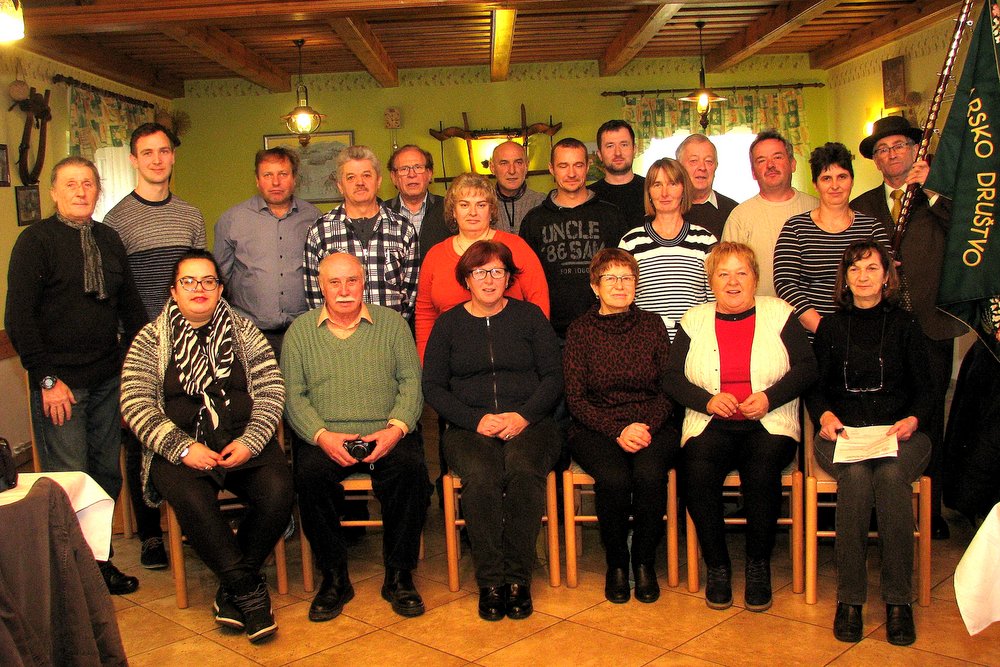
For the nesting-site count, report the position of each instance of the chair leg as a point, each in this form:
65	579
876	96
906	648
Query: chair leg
692	555
177	558
450	531
125	499
810	539
569	526
281	566
924	542
308	583
673	565
795	540
552	528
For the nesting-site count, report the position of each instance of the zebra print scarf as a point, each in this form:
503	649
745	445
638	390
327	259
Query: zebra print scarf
204	366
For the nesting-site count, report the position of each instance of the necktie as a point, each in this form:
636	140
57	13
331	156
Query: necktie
897	205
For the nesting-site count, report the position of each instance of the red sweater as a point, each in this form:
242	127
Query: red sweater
438	291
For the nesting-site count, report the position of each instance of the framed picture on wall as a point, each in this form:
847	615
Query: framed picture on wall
894	82
29	205
4	167
315	182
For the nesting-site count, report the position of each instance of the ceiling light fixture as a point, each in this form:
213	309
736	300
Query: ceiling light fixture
303	120
11	20
703	97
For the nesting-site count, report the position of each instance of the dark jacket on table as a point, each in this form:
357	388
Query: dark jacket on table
565	240
922	254
614	367
509	362
860	337
55	327
433	229
55	606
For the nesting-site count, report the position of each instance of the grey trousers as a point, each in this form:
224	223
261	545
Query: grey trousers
885	485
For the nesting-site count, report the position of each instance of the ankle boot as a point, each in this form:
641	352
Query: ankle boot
335	591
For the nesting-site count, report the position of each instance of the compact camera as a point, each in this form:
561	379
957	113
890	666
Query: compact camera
359	449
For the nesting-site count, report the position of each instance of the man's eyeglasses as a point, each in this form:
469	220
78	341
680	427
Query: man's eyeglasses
480	274
898	147
415	169
610	279
190	283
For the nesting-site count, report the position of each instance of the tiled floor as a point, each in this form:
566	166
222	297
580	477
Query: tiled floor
569	627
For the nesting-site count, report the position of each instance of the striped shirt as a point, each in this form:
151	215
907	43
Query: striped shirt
389	258
155	234
672	275
806	259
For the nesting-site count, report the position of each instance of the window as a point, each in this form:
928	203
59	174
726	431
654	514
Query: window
733	177
117	177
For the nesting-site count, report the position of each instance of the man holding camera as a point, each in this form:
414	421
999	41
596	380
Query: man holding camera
352	378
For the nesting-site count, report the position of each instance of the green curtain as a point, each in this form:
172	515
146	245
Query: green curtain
98	120
660	117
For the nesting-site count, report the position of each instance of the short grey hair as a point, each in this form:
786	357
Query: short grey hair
358	152
696	138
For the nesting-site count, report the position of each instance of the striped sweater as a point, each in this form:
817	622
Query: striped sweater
142	399
672	275
155	235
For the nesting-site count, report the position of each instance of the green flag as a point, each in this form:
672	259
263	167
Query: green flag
965	170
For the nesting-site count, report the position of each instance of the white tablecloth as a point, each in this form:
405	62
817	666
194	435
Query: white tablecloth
977	577
94	508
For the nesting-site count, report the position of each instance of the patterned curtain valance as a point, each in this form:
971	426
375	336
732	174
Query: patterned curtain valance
660	117
98	120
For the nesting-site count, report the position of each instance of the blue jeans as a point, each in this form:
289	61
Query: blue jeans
90	441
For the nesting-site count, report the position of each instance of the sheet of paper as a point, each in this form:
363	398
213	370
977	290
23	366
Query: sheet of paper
867	442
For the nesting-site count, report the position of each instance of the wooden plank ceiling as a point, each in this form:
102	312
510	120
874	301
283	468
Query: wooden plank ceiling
156	46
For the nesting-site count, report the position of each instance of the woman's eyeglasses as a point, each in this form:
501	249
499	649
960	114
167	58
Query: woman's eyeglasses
480	274
190	283
610	279
866	390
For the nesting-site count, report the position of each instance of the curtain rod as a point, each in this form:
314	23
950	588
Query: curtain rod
70	81
672	91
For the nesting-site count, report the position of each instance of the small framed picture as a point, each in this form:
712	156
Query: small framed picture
894	82
4	167
29	204
315	181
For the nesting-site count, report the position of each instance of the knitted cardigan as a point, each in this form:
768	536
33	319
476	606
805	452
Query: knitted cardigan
142	400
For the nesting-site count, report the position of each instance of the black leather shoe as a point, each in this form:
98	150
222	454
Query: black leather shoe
492	602
719	587
335	591
899	628
939	528
400	592
616	585
848	623
647	589
118	582
519	601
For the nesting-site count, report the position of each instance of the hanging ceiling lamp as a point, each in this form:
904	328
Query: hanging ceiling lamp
303	120
11	20
703	97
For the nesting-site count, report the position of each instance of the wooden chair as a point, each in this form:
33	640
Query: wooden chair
574	479
791	488
819	481
452	486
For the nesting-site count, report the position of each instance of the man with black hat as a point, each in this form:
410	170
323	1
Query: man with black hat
893	147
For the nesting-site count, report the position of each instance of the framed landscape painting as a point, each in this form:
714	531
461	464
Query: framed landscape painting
315	182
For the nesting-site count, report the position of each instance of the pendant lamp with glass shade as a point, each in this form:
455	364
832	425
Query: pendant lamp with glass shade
303	120
11	20
703	97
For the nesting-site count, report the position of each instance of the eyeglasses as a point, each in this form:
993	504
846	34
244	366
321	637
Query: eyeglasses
866	390
191	284
899	147
609	279
480	274
415	169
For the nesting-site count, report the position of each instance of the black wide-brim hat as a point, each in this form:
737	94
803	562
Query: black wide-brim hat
887	127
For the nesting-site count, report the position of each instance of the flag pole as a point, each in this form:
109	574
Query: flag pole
932	116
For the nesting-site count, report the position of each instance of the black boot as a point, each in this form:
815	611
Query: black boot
757	595
519	601
335	591
616	585
719	587
251	597
647	589
848	623
400	592
492	602
118	582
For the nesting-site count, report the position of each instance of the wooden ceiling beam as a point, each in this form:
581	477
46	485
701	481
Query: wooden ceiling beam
900	23
360	39
501	42
219	47
646	22
766	30
95	58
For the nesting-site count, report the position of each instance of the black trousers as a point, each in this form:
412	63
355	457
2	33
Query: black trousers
399	481
940	356
264	483
759	457
625	485
147	519
503	496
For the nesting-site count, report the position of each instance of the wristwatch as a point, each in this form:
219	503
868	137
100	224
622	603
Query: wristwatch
48	381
